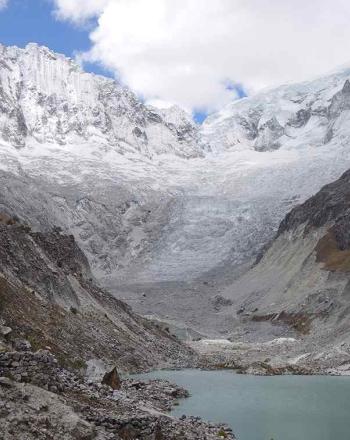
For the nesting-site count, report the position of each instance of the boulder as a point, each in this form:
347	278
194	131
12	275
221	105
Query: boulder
112	379
4	330
22	345
6	382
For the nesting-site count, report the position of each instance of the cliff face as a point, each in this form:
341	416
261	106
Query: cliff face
329	205
310	253
47	98
329	209
49	297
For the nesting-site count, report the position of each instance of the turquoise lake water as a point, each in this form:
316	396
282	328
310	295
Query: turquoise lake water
265	408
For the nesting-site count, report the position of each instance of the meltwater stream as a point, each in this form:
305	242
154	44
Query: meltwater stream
265	408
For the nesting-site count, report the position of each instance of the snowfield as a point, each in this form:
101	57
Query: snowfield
150	196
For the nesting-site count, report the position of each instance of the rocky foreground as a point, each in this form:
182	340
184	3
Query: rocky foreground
62	339
41	400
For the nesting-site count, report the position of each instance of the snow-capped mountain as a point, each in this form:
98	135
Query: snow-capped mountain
47	98
150	196
291	116
80	151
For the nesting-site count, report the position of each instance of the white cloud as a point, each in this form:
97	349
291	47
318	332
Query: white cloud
79	10
3	4
183	51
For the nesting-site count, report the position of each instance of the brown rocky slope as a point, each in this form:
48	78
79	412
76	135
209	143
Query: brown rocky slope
48	296
300	288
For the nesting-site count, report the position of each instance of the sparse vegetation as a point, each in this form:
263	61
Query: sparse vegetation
3	287
222	434
65	361
78	364
34	342
328	252
2	302
7	220
301	322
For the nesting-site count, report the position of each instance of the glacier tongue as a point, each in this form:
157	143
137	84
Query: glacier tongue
151	197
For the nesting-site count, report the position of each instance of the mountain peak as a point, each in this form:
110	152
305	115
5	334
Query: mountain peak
346	87
48	98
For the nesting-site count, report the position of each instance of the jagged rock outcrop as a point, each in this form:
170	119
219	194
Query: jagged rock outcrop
112	379
340	101
329	206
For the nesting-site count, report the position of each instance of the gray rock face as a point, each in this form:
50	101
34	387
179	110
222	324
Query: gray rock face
340	101
268	135
330	205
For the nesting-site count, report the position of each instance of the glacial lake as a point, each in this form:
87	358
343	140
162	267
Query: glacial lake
265	408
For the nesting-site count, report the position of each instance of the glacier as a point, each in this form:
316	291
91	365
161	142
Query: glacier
169	213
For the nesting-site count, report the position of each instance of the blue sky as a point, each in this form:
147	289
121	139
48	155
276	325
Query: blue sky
32	21
181	51
25	21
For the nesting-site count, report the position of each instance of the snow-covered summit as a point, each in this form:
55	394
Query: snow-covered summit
47	98
290	116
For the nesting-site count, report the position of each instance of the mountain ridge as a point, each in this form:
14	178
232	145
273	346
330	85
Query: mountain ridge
74	106
159	217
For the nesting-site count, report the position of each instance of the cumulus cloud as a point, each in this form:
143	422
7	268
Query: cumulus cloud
79	10
187	51
3	4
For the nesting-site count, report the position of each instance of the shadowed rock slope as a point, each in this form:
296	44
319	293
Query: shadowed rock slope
48	296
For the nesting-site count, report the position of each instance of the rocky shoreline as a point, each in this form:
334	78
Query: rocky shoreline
282	356
40	400
63	340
